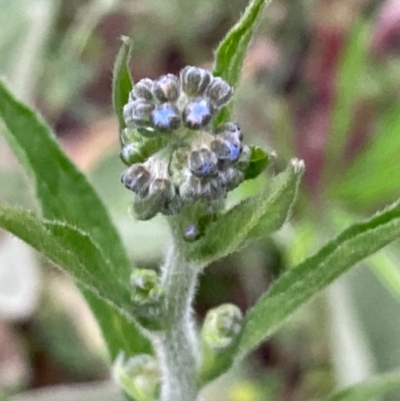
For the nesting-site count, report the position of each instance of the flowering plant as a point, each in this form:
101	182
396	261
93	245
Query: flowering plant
184	152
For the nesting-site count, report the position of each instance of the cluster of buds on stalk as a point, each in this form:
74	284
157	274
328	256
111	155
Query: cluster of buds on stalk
175	154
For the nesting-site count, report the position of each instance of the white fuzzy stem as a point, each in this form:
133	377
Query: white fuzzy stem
177	344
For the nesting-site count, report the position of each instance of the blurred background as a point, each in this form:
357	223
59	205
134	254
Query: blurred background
320	82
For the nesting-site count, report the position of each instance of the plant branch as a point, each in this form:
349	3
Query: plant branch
177	344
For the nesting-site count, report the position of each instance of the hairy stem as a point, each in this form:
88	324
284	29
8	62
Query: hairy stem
177	344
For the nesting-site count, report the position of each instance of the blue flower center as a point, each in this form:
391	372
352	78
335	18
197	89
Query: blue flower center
165	118
197	114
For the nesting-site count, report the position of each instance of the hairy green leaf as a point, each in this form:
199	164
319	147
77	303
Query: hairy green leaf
64	192
259	160
69	248
73	250
122	80
375	387
299	284
255	217
231	52
66	195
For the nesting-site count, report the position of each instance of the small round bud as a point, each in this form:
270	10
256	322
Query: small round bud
130	154
220	148
166	88
139	376
195	80
164	187
195	189
231	135
197	114
136	178
230	131
231	178
219	92
148	298
146	287
203	163
222	326
159	198
138	112
142	89
166	117
128	136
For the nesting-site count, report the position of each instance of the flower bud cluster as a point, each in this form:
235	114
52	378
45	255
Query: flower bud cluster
175	155
222	326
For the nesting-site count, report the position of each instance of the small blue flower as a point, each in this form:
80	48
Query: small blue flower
197	114
166	117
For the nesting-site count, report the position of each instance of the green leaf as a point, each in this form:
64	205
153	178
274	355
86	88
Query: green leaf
231	52
259	160
255	217
299	284
71	249
64	192
122	80
372	389
65	195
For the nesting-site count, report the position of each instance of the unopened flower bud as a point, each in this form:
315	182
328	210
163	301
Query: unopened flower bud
166	88
138	112
222	326
166	117
130	154
230	131
142	89
195	80
219	92
148	298
203	162
197	114
128	136
136	178
230	178
139	376
159	198
195	189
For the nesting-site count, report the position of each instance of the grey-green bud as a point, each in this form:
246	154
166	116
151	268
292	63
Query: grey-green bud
203	162
136	178
222	326
148	298
130	154
166	88
138	112
219	92
142	90
195	80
